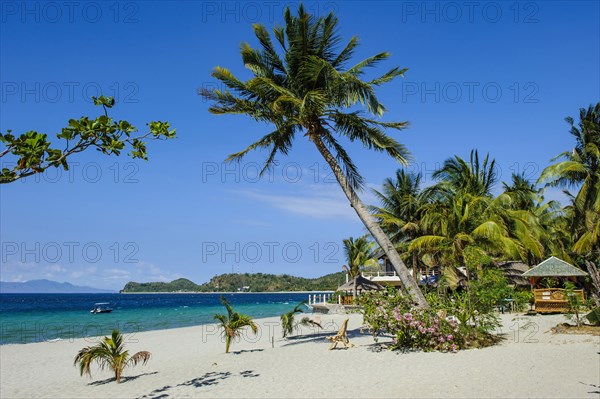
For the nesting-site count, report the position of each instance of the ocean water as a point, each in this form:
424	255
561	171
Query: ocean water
26	318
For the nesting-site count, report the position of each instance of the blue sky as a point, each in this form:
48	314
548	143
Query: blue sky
496	76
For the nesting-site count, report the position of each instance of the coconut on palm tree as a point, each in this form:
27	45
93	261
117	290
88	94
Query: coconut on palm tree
233	323
109	353
307	88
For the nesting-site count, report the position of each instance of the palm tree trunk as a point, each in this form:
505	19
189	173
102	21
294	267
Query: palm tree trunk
382	239
414	267
595	277
227	343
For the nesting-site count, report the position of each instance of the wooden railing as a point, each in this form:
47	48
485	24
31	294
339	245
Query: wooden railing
379	274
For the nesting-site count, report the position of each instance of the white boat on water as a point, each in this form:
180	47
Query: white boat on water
101	307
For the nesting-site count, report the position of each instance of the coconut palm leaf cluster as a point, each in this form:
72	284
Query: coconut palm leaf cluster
304	83
109	353
233	323
461	216
289	323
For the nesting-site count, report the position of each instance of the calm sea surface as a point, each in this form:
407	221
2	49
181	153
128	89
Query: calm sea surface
26	318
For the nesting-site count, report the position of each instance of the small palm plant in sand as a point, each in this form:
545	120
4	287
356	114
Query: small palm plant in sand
233	323
287	319
109	353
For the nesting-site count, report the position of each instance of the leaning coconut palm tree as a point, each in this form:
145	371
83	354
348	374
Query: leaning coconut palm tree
233	323
109	353
308	89
287	319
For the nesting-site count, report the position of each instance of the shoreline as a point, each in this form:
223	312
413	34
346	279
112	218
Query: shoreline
229	292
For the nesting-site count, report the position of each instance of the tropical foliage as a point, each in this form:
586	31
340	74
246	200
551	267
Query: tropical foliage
233	323
401	212
32	151
459	218
288	324
390	312
231	282
359	254
580	169
109	353
303	84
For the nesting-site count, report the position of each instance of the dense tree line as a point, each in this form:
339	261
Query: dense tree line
257	282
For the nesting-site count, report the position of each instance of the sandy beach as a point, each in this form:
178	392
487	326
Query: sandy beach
191	363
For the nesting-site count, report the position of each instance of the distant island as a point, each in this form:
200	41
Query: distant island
47	287
256	282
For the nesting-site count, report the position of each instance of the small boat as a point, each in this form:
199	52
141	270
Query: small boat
101	307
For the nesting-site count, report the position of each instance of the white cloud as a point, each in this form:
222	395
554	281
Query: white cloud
76	275
316	206
55	269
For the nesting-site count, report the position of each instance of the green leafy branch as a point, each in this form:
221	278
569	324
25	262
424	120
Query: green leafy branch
35	154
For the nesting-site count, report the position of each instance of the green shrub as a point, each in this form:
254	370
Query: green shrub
574	302
390	312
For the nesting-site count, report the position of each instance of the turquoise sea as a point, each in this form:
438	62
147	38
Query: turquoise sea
26	318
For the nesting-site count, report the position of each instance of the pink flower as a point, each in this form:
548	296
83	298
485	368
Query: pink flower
441	339
453	347
408	316
450	337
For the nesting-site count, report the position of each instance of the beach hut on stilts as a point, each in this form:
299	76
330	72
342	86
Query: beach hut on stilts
553	300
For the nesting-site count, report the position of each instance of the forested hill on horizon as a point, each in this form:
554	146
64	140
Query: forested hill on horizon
256	282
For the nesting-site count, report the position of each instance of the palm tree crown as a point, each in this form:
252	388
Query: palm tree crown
359	254
308	88
109	353
233	323
580	168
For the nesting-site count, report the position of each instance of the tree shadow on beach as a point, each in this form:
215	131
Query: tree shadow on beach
208	379
246	351
123	379
597	391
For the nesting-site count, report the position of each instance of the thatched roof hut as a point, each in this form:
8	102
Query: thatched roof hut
513	271
554	267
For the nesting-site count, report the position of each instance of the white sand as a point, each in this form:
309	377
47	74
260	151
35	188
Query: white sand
190	363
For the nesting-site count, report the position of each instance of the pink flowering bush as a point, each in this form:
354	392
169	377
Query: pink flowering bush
424	330
393	314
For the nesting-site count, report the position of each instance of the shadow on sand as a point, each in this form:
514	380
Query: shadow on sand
123	379
208	379
246	351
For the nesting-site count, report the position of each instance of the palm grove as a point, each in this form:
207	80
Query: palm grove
304	83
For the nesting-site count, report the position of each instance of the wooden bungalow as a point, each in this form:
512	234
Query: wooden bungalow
552	300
